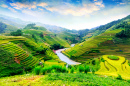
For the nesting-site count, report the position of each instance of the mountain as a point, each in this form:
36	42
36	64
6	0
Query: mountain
103	41
21	24
5	28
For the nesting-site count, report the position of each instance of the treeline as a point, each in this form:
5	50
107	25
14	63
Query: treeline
124	33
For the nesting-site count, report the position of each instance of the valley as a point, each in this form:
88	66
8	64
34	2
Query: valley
34	54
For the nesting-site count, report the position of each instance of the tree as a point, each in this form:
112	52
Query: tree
17	33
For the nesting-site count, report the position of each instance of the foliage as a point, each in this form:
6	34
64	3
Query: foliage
72	70
83	33
17	33
124	33
81	68
86	70
52	68
33	26
102	59
37	70
56	46
113	57
119	77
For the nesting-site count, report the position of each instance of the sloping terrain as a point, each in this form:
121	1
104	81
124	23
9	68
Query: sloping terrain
104	43
5	28
20	55
49	38
112	67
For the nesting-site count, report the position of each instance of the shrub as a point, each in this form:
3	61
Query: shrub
37	70
53	69
64	70
86	69
81	68
93	62
72	70
128	81
93	71
44	71
119	77
113	57
102	59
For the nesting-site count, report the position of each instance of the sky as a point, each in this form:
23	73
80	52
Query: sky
70	14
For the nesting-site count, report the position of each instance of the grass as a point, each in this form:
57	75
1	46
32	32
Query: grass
113	57
59	79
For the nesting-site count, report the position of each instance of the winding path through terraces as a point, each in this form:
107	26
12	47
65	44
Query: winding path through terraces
65	58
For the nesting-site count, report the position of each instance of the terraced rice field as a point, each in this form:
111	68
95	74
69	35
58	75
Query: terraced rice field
114	67
90	43
20	55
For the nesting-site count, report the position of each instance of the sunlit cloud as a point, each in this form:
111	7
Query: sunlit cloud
77	11
42	4
13	10
19	6
4	6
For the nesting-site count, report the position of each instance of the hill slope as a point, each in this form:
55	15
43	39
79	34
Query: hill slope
105	43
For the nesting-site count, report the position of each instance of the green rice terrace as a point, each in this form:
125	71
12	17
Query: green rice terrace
34	56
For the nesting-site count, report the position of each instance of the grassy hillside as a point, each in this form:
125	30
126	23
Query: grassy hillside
103	44
70	37
23	52
59	79
48	38
5	28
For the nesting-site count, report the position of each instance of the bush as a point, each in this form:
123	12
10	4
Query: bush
93	71
119	77
64	70
81	68
44	71
128	81
72	70
102	59
93	62
53	69
113	57
37	70
87	69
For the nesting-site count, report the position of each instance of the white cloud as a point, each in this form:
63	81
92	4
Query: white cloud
76	11
4	6
42	4
19	6
13	10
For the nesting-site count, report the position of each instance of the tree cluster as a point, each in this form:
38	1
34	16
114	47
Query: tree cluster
17	33
56	46
124	33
